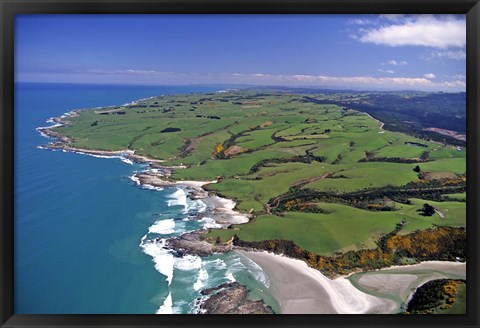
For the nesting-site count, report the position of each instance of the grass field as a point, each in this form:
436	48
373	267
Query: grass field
344	228
285	142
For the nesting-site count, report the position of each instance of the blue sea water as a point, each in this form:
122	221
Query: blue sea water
83	228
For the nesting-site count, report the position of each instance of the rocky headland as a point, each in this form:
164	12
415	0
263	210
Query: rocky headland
231	298
191	244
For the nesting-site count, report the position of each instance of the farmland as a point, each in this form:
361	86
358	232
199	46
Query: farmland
325	176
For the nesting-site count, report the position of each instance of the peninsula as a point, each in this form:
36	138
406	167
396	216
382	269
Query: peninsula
324	178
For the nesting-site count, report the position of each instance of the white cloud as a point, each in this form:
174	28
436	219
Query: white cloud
360	21
359	82
455	84
127	71
393	62
439	32
456	55
154	77
389	71
393	17
260	75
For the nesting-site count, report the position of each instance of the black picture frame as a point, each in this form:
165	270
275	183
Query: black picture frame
10	8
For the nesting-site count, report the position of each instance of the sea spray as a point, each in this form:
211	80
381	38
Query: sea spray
163	227
188	262
179	198
167	306
255	269
201	279
163	258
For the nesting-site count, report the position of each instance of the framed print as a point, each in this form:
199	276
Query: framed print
176	163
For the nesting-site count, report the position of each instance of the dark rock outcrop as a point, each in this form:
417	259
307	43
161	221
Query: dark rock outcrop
231	298
191	244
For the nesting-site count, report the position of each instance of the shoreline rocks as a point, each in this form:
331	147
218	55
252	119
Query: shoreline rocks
191	244
231	298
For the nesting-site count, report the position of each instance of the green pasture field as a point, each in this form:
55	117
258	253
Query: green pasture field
300	144
343	228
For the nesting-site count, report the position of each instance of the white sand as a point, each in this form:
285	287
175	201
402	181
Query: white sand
222	208
392	284
193	184
457	268
301	289
224	213
401	281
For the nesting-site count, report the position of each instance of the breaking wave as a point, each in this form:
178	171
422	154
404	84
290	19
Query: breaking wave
163	227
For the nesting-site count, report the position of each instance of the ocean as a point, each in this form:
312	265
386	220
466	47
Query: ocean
88	238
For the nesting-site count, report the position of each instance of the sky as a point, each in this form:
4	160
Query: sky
367	52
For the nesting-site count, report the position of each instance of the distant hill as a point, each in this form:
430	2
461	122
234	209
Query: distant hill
441	110
409	112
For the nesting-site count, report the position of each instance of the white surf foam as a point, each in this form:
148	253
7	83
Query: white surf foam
55	125
209	223
230	277
162	258
241	263
196	205
197	303
188	263
126	160
203	206
218	264
43	134
163	227
150	187
177	309
201	279
178	198
120	157
235	264
135	179
167	306
98	156
256	271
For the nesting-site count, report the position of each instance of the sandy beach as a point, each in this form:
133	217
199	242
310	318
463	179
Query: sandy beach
457	268
300	289
194	184
400	282
222	208
223	211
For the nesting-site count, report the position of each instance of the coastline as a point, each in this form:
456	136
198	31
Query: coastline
314	292
186	247
399	283
458	268
157	176
222	209
300	289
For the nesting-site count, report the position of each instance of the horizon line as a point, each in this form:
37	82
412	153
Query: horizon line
312	87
